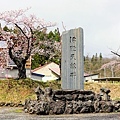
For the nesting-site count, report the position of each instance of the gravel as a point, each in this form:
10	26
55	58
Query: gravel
10	113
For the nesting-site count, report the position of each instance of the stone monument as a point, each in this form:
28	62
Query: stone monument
72	98
72	63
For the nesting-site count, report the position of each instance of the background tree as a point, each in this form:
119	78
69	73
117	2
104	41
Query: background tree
111	66
47	48
38	60
6	29
100	57
21	44
87	64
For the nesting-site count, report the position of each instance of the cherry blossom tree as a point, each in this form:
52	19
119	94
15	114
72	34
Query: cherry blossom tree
110	65
21	42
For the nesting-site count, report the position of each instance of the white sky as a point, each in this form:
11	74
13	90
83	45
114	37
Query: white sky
100	19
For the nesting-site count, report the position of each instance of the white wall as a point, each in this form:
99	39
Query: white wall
90	78
12	73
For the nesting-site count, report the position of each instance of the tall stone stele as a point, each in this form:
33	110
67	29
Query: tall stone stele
72	63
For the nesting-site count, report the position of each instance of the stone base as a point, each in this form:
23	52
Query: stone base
69	102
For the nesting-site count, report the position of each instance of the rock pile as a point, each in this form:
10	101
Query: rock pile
70	102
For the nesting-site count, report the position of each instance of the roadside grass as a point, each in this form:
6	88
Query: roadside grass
19	110
17	91
113	87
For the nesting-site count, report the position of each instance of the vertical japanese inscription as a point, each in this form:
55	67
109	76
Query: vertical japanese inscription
73	58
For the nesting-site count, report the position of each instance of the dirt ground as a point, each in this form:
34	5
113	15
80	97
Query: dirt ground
15	113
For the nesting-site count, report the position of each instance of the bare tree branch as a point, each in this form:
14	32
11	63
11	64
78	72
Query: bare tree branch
21	30
115	53
64	27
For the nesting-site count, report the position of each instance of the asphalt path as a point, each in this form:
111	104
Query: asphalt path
11	113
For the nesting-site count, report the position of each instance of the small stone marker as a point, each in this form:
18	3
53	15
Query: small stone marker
72	70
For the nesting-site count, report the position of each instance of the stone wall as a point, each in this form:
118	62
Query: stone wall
70	102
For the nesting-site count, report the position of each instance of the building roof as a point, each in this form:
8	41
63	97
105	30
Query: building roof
55	70
46	68
87	75
107	79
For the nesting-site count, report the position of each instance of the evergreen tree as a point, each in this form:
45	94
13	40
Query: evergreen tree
100	57
96	58
93	59
41	59
87	64
6	29
38	60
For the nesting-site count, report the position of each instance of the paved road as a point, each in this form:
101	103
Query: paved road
7	113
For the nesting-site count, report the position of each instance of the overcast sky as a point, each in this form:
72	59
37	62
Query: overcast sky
100	19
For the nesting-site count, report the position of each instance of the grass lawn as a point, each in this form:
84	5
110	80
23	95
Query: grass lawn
18	90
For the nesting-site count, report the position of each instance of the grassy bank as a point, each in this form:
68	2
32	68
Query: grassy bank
113	87
19	90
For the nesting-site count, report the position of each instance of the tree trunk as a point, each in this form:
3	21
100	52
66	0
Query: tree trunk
21	71
20	62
